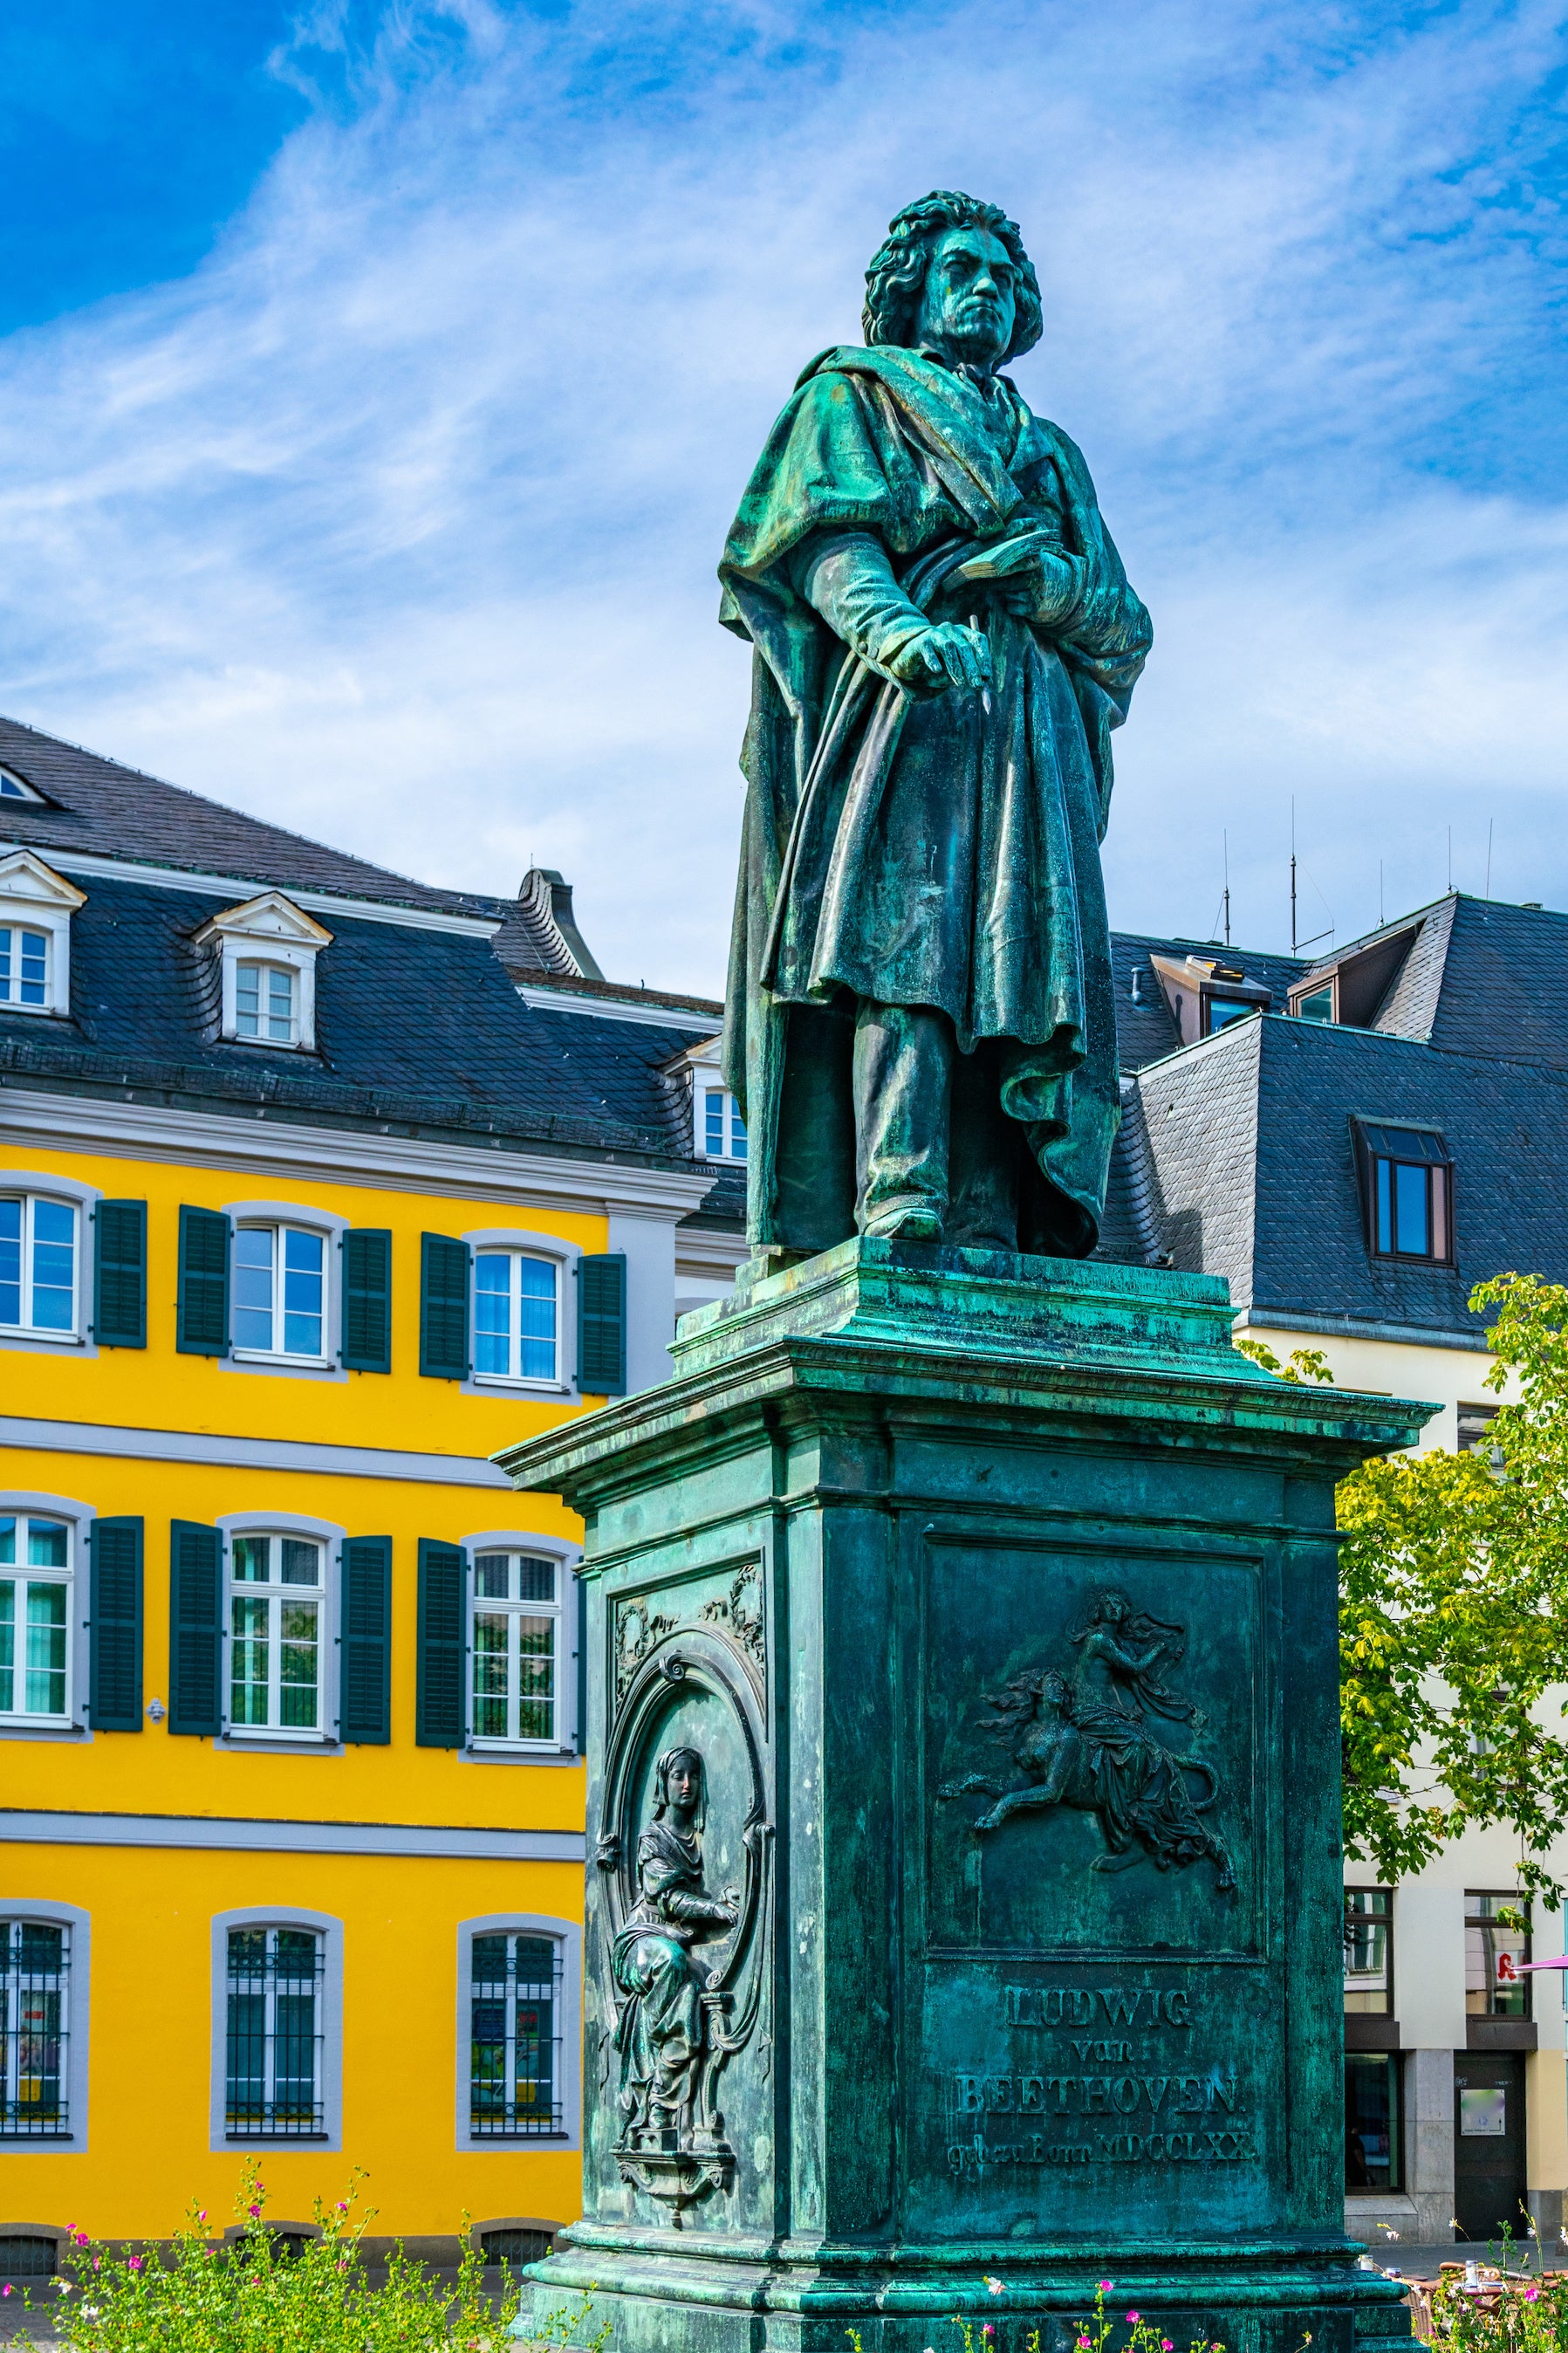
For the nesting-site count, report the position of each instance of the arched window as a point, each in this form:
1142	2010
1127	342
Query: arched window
276	2029
518	2032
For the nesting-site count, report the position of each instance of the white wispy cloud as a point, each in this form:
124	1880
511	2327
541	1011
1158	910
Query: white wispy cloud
397	520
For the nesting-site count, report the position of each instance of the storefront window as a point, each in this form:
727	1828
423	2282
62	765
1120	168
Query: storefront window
1493	1951
1369	1952
1371	2120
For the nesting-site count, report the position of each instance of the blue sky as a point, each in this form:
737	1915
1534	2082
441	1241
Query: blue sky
376	384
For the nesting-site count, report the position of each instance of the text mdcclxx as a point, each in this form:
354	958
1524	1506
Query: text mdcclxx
1085	1740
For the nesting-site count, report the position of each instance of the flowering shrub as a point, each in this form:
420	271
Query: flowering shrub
1515	2316
253	2295
1093	2335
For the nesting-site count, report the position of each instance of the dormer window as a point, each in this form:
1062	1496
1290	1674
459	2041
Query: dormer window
264	953
35	909
265	998
1207	993
1407	1189
16	789
1314	1005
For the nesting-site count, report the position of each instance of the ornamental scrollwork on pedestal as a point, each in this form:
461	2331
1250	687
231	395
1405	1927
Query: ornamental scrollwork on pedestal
740	1612
637	1628
1084	1739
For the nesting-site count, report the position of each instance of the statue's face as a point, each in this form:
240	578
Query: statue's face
685	1782
969	302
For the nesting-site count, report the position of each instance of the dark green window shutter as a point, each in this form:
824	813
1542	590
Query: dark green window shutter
203	1314
443	1308
364	1702
441	1713
195	1630
114	1624
367	1300
602	1324
119	1274
581	1742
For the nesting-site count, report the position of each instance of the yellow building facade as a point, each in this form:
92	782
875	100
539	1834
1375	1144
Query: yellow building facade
291	1824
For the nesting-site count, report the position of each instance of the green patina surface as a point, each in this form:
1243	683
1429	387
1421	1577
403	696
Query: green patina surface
995	1936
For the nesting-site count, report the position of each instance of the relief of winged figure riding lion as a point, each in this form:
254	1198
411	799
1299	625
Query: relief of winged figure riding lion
1084	1740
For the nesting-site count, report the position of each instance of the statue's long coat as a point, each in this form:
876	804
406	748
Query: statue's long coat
922	850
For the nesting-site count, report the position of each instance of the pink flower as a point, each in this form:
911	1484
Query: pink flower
254	2213
203	2215
98	2263
1082	2346
136	2262
1165	2346
7	2289
1105	2287
1530	2294
1132	2315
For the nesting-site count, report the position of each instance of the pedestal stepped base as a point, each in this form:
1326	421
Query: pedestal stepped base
997	1596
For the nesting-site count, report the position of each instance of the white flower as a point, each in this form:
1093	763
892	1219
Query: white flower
993	2284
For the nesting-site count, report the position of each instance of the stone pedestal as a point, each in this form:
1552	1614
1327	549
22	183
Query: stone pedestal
997	1597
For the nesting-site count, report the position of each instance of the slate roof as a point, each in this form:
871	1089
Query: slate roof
1245	1148
1147	1029
417	1028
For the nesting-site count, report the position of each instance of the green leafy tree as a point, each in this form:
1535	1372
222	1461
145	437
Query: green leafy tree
1454	1617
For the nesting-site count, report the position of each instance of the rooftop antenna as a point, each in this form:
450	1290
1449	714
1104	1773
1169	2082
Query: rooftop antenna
1225	852
1450	858
1380	913
1491	822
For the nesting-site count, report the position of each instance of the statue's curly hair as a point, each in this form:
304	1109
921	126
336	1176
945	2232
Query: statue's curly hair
897	274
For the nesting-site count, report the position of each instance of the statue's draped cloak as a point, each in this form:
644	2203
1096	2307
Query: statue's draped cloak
926	850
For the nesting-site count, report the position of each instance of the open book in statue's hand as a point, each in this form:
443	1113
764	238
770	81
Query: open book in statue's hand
1029	573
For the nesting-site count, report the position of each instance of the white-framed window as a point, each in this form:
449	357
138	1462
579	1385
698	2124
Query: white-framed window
45	1956
272	2057
516	1653
278	1634
266	952
40	1268
514	2044
279	1306
518	2033
35	2029
16	788
25	958
718	1130
266	1002
38	1567
277	2038
517	1316
35	909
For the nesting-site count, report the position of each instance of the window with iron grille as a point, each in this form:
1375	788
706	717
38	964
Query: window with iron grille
35	1969
514	2064
274	2069
515	2247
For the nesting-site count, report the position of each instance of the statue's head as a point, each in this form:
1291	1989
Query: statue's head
677	1783
953	273
1109	1609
